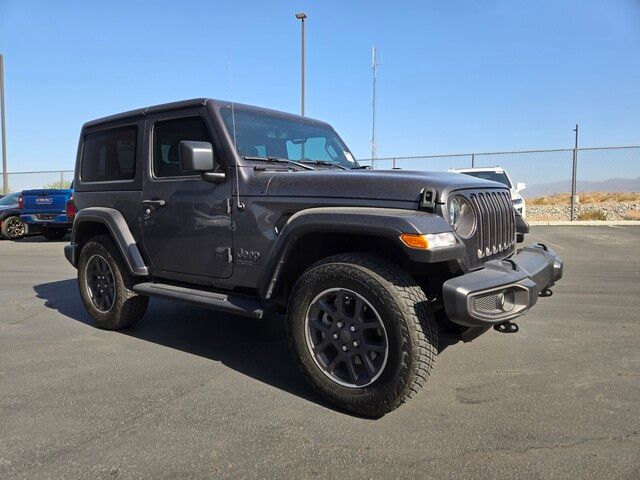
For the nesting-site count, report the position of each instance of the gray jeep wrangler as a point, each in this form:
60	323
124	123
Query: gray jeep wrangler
247	210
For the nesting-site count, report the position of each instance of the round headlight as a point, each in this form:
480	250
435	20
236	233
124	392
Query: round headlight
461	216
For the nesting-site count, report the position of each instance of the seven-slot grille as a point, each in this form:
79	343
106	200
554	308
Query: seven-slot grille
495	234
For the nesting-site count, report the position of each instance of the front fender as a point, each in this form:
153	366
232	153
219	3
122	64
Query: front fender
120	233
378	222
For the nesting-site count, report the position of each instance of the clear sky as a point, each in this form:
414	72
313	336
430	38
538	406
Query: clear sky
458	76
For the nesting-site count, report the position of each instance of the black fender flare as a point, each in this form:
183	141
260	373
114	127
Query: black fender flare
382	222
120	232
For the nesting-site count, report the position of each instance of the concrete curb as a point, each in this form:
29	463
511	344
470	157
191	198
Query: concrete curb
589	223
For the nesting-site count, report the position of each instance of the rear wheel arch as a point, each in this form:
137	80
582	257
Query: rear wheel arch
95	221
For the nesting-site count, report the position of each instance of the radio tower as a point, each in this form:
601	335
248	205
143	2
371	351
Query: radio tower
374	68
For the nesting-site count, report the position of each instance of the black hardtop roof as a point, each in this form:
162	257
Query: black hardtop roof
194	102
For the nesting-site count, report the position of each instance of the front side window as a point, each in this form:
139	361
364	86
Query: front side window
167	136
259	134
109	155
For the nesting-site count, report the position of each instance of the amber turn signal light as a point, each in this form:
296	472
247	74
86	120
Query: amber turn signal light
428	241
413	240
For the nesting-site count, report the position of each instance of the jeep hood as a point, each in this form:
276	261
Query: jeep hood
370	184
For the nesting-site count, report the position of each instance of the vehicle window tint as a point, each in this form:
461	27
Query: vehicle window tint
314	148
167	137
109	155
493	176
11	199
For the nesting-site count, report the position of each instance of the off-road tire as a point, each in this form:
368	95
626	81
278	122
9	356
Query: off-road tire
128	307
8	228
410	327
54	233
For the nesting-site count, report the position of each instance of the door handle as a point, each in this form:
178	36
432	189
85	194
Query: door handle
154	203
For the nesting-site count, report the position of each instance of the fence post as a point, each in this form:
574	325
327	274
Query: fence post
394	163
574	199
61	179
473	160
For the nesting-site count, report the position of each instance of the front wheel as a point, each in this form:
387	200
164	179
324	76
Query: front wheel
362	332
13	228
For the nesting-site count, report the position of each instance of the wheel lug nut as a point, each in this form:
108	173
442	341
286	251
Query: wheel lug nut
344	348
339	324
335	335
353	329
355	344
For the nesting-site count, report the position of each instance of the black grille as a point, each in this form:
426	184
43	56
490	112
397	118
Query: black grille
495	235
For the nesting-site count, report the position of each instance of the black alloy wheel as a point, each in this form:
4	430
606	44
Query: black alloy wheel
346	337
100	283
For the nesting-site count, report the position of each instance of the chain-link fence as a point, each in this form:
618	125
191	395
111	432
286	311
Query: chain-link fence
18	181
607	178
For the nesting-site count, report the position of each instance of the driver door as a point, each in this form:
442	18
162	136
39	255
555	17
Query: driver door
186	226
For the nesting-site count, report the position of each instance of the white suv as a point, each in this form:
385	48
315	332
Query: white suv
498	174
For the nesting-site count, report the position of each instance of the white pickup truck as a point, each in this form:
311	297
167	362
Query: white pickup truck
499	174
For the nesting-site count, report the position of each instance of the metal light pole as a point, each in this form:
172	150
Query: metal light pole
301	16
574	197
5	175
374	71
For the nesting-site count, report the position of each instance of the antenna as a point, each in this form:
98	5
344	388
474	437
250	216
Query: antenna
239	204
374	68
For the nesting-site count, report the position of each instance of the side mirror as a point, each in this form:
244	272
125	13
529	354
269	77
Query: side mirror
198	157
520	186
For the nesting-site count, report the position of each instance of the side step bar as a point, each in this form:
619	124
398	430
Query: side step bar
217	301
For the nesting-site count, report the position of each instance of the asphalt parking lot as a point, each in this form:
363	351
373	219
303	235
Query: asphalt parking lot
193	393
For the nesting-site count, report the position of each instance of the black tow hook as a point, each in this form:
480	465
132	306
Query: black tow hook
506	327
546	292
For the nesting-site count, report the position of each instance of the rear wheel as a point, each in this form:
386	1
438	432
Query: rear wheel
362	332
53	233
106	286
13	228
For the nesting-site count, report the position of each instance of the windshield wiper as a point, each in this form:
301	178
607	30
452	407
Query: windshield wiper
277	160
361	167
324	162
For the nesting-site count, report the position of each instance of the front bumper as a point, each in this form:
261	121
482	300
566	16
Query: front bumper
503	289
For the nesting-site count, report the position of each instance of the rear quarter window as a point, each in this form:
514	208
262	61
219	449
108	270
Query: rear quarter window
109	155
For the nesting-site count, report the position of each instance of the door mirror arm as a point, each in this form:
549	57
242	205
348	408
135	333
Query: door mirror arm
214	177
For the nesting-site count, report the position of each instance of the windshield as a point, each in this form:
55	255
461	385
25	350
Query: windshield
493	176
11	199
264	135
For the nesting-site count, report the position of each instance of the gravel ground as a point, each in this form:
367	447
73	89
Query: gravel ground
192	393
611	210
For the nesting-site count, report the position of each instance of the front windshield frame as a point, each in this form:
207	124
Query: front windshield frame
266	135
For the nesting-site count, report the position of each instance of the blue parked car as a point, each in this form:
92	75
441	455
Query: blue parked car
45	210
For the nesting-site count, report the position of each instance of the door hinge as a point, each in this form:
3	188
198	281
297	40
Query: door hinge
229	255
229	202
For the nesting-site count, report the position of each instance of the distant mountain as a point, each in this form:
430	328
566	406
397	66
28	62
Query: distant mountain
564	186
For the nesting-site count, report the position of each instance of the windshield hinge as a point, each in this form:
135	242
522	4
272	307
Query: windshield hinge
427	199
229	205
229	255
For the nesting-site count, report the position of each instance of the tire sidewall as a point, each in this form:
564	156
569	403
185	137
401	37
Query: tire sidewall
111	318
392	314
7	221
